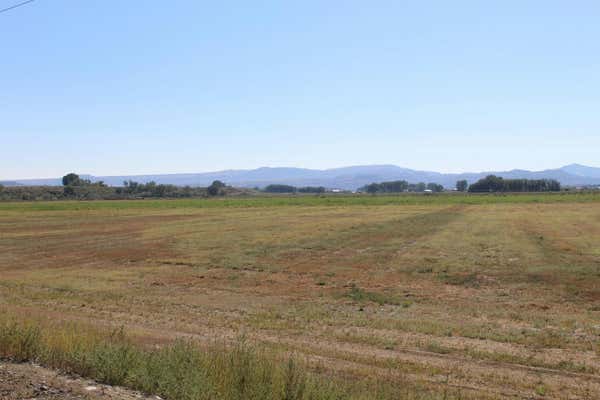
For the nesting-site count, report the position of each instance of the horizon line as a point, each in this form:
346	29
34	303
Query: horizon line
288	167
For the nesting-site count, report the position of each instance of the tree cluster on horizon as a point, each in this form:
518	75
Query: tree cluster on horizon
77	188
400	186
280	188
493	183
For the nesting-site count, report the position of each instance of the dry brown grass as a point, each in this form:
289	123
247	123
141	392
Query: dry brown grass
496	300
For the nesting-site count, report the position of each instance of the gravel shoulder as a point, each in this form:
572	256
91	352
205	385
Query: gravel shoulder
30	381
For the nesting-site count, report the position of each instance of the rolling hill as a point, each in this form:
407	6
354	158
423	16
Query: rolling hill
349	178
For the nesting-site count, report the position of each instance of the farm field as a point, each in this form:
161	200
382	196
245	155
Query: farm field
445	296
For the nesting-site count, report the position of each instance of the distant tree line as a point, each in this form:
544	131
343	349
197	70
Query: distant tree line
77	188
152	189
400	186
492	183
311	189
488	184
277	188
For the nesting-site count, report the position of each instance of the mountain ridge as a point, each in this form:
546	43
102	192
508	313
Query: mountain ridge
348	178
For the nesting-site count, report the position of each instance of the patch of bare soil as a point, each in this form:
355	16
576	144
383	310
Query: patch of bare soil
29	381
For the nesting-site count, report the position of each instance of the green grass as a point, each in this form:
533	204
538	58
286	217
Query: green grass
304	200
362	296
184	370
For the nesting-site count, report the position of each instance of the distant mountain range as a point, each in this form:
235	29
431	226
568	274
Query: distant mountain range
348	178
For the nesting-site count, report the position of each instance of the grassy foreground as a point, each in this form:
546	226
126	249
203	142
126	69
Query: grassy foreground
376	297
182	370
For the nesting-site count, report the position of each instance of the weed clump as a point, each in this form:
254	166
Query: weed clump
362	296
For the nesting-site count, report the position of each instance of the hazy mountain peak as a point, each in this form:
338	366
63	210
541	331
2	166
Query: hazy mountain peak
581	170
349	178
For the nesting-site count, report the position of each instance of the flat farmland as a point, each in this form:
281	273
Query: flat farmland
452	296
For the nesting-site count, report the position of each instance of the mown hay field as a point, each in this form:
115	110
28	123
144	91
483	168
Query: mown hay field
455	296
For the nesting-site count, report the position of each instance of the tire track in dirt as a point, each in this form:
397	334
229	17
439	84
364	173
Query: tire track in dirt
351	245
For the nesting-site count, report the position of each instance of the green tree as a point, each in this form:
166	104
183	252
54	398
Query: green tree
462	185
435	187
131	186
420	187
71	179
216	188
372	188
490	183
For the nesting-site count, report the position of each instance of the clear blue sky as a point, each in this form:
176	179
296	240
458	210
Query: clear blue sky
123	87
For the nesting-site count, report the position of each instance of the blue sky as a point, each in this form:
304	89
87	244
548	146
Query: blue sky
112	87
